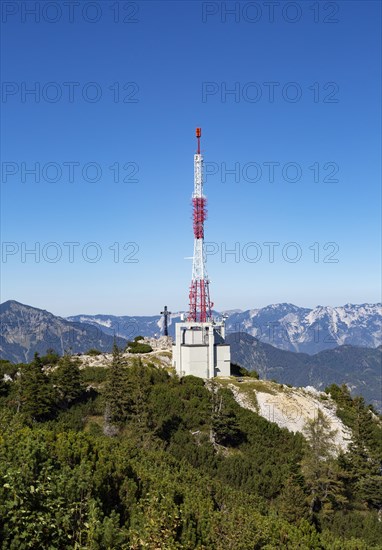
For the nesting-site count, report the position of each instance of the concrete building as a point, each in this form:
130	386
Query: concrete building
200	350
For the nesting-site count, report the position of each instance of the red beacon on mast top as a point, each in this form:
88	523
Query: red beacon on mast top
198	135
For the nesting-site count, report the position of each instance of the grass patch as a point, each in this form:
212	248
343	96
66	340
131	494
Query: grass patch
248	388
153	360
264	386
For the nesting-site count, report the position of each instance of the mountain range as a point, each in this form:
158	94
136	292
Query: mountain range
25	330
284	326
357	362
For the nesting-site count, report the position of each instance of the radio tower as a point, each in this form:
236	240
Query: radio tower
200	348
200	304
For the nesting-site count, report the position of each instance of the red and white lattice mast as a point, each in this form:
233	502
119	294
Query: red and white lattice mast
200	304
199	348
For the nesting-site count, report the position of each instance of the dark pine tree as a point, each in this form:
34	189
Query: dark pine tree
116	395
67	381
33	392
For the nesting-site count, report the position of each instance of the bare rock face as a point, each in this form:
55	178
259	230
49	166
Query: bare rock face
160	355
291	408
357	367
162	343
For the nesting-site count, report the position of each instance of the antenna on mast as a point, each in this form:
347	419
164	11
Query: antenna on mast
200	305
198	136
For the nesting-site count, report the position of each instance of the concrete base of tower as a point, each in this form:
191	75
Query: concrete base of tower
200	350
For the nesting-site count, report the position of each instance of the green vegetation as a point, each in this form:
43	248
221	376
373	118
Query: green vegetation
94	352
362	465
144	460
50	358
93	375
237	370
137	347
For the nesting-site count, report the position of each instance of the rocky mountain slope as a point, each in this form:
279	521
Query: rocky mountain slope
288	407
26	330
360	368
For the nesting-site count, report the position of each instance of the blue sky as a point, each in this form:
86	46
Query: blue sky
176	60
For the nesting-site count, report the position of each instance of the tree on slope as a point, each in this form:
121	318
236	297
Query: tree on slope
67	380
116	396
320	468
33	392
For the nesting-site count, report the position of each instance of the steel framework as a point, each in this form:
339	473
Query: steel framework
200	304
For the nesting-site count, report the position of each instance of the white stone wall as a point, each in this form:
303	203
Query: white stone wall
195	361
223	361
198	350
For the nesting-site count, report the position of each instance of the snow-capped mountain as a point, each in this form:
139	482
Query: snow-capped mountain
127	326
284	326
292	328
